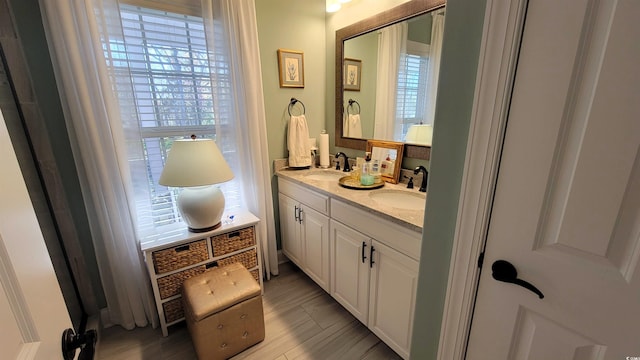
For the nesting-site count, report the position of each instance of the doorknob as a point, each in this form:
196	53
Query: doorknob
86	342
504	271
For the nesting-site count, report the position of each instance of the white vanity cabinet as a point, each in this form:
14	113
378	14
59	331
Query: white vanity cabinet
304	225
374	267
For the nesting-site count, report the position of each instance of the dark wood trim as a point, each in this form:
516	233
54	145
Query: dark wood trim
391	16
39	166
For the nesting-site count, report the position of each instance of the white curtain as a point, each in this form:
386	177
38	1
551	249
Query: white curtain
232	27
101	138
435	52
392	42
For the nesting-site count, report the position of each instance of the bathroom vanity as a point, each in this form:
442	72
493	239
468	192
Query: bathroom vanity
362	247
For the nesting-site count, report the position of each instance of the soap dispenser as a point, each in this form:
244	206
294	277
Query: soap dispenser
365	174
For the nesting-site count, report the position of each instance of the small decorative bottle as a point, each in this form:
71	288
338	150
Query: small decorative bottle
365	174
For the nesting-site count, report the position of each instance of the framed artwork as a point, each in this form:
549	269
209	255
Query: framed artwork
291	68
352	71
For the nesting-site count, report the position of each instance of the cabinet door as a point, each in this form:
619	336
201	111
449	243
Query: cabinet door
350	269
315	232
394	280
290	230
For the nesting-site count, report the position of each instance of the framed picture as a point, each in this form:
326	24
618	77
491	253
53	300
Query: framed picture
352	71
291	68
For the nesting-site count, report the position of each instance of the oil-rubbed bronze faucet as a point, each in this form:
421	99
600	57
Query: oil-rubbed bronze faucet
346	162
423	185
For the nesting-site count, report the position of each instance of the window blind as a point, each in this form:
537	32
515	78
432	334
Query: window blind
411	93
164	57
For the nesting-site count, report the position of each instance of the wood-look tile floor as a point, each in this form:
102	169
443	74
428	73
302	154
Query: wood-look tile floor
302	321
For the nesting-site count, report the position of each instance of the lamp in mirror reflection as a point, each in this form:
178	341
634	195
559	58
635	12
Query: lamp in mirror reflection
420	134
196	165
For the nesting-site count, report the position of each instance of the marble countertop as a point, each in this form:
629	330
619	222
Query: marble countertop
412	219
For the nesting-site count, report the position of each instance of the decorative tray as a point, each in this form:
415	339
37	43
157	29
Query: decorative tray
351	183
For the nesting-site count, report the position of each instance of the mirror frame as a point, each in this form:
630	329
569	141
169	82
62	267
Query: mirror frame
398	147
399	13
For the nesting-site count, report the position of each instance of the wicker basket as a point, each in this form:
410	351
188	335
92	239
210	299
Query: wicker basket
248	258
233	241
173	310
180	256
171	285
256	275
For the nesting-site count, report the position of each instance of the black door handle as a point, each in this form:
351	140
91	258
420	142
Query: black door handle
364	257
504	271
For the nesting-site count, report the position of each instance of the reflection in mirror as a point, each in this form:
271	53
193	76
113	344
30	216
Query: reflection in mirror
399	77
398	52
389	155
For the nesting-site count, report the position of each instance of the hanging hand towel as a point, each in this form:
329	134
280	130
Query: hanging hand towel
354	127
298	142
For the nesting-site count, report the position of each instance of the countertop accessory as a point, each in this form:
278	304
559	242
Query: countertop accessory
350	183
381	150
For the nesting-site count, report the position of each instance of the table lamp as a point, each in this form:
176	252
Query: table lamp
420	134
195	165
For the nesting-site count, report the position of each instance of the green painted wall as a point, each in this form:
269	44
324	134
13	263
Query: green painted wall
293	25
461	43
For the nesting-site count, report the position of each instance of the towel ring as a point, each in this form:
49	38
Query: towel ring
351	101
292	103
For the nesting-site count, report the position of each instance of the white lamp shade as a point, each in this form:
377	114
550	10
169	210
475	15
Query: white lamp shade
195	163
420	134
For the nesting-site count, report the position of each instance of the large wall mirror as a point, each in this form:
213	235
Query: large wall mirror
386	77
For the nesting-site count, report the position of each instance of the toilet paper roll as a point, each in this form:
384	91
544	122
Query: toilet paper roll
324	150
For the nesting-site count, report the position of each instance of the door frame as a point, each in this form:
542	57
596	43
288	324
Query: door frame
499	50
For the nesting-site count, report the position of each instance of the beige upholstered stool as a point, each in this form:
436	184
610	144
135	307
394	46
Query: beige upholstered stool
223	309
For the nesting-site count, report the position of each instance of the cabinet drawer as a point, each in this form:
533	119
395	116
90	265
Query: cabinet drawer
304	195
394	235
233	241
173	310
171	285
180	256
247	258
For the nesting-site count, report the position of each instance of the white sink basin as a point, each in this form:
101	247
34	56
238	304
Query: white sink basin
325	175
399	199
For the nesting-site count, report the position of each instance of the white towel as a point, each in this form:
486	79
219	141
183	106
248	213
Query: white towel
354	127
298	142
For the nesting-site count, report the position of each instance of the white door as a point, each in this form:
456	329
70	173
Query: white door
33	314
350	269
392	296
567	205
315	232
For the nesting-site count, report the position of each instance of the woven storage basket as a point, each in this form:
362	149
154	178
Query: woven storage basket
248	258
171	285
180	256
233	241
173	310
256	275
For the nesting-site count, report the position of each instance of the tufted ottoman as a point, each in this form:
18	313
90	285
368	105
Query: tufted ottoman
223	309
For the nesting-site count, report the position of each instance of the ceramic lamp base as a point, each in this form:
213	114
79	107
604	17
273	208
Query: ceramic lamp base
201	207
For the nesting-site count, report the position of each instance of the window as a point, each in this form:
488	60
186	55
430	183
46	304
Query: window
164	56
412	88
